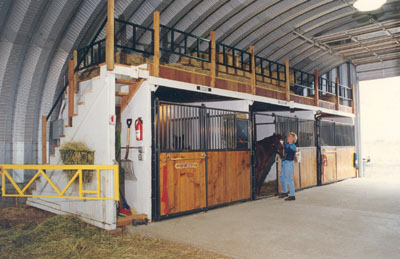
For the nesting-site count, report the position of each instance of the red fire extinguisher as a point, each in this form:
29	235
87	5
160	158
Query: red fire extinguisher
139	128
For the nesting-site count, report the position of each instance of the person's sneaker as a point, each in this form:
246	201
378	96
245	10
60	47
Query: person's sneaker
290	198
283	195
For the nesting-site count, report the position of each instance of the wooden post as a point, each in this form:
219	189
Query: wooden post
110	36
353	107
75	60
316	87
156	57
287	79
253	70
213	59
337	93
71	91
44	140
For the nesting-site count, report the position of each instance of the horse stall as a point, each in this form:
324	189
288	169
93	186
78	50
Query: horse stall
202	158
337	145
305	172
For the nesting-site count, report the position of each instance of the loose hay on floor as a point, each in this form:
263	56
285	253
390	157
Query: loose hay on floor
68	237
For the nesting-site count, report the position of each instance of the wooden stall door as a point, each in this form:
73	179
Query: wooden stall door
329	165
345	162
182	182
308	167
228	174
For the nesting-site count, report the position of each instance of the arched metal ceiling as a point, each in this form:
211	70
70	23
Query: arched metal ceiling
37	37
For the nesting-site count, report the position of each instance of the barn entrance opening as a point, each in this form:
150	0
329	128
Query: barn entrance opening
202	158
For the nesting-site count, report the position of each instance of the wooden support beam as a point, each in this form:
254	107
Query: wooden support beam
124	81
287	83
75	59
156	57
337	102
213	59
121	94
132	90
71	91
316	87
353	107
110	36
253	70
44	140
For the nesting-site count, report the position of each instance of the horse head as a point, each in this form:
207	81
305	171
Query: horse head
278	141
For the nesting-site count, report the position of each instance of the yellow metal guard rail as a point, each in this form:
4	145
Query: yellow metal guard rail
61	193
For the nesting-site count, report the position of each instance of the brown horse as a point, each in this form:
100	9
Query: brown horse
266	151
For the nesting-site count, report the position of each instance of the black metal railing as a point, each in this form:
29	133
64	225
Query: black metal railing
91	49
270	69
91	55
345	95
131	37
182	127
326	87
233	57
303	83
59	97
173	41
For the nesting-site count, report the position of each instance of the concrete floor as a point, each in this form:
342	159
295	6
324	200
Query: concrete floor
355	218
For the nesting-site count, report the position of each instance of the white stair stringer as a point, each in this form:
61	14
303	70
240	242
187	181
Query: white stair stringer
91	126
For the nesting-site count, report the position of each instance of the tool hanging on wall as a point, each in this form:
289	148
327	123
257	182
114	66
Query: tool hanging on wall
126	164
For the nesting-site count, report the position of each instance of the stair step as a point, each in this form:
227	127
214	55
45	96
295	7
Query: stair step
121	94
62	136
81	103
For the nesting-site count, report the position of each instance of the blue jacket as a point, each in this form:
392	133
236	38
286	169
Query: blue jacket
290	151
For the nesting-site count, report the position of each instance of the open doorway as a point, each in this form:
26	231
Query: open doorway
380	136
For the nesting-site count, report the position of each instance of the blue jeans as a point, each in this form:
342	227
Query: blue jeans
287	176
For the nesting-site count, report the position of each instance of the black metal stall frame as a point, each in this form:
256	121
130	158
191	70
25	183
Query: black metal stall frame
191	128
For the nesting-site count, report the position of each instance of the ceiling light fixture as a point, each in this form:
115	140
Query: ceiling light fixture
368	5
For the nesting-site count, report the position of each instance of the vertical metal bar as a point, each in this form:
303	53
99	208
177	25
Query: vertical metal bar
172	39
270	69
278	72
185	43
80	183
241	60
99	183
198	47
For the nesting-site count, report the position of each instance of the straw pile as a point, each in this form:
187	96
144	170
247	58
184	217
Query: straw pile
68	237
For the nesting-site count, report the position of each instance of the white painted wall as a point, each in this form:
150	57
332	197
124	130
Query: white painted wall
92	127
138	192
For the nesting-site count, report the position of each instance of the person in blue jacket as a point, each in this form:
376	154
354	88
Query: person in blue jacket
288	168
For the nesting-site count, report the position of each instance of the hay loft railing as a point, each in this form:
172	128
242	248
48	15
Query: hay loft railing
233	57
303	83
270	69
183	44
131	37
174	44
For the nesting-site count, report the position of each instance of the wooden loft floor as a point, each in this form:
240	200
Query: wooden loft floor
197	72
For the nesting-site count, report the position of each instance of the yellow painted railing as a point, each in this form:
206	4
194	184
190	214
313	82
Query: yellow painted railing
41	171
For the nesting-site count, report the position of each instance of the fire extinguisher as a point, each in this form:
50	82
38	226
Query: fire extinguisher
139	128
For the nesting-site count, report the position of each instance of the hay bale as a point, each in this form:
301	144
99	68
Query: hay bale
89	73
77	153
